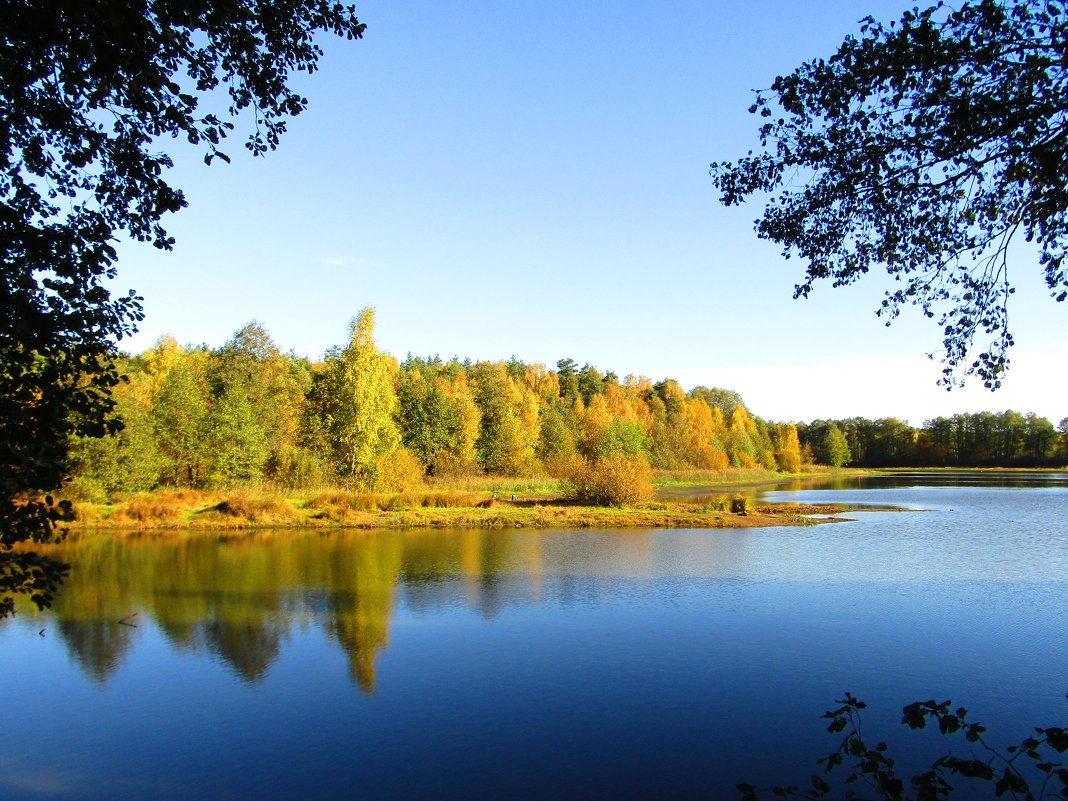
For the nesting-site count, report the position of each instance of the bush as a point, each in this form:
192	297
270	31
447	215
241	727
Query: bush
399	471
613	480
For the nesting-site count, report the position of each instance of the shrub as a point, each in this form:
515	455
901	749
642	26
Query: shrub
399	471
718	503
614	480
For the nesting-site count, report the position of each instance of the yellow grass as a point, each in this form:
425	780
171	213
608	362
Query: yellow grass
459	502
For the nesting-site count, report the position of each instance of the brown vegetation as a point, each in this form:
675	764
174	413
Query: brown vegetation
613	480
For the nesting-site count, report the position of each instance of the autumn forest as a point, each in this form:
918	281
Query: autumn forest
246	413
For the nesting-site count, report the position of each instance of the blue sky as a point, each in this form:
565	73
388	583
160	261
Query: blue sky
526	179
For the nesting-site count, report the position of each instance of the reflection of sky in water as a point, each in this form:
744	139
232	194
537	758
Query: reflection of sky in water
640	664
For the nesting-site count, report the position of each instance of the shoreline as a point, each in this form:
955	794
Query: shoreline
503	516
475	503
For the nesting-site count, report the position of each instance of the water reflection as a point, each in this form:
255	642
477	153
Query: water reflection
896	479
930	478
635	664
240	598
237	598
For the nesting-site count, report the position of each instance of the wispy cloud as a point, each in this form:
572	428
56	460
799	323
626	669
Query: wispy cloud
334	261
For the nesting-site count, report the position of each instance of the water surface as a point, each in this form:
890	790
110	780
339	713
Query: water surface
535	664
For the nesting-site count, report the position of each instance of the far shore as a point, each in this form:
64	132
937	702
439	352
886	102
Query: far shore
685	499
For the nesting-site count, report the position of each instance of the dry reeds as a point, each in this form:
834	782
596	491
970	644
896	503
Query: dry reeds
151	507
330	504
254	509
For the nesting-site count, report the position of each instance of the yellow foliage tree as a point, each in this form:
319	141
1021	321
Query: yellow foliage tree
157	361
544	383
595	421
741	447
787	448
703	426
355	399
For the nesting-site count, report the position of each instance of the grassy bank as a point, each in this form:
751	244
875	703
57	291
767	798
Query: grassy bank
470	502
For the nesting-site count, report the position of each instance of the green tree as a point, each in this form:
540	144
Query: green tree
891	442
438	417
925	147
723	399
835	448
590	382
1012	431
89	90
237	441
180	416
258	402
355	400
509	428
620	436
1040	440
556	438
938	444
670	432
123	462
567	374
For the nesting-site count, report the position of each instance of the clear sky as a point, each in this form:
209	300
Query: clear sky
531	179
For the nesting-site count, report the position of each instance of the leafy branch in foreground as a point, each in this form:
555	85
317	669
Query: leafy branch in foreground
89	93
924	147
1026	771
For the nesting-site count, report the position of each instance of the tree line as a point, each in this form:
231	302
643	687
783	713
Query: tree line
247	413
982	439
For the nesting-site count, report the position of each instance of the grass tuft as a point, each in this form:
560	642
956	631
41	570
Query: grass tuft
257	509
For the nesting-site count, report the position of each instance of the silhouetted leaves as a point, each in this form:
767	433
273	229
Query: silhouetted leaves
926	148
874	768
88	90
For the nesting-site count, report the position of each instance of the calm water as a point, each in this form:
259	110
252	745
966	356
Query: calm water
524	664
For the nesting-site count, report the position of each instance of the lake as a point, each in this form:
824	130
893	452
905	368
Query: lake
538	664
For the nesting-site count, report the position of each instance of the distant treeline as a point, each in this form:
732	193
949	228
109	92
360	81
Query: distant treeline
984	439
246	413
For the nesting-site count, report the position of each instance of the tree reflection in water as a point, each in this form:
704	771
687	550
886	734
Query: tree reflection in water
237	597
